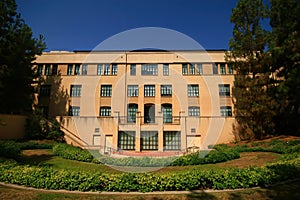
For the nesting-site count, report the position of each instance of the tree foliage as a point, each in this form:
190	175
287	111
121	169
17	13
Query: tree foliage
266	89
18	49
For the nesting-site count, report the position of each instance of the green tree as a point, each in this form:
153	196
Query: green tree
285	51
248	55
18	49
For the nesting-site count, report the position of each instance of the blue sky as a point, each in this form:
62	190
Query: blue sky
83	24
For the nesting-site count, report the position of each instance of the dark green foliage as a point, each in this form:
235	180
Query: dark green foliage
18	49
73	153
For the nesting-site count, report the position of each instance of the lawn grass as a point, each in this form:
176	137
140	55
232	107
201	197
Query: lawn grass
288	190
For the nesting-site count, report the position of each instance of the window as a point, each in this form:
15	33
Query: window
47	70
133	69
172	140
126	140
44	110
184	69
77	69
114	69
105	111
194	111
193	90
149	113
149	90
75	91
199	68
226	111
192	69
132	90
149	140
166	90
45	90
106	90
70	69
215	69
40	69
224	89
166	69
54	69
131	113
222	68
106	69
74	111
229	69
167	113
99	69
149	69
84	69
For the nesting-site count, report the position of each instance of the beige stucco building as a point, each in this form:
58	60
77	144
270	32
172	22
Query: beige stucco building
138	101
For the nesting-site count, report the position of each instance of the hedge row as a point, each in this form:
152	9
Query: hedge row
203	157
233	178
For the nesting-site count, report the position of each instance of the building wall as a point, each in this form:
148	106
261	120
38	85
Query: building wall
91	130
12	126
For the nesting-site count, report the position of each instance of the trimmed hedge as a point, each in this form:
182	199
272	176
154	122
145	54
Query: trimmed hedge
203	157
233	178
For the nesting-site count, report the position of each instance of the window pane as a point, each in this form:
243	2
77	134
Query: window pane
166	90
132	69
132	90
215	69
192	69
74	111
54	69
106	90
226	111
70	69
126	140
114	69
166	69
45	90
47	70
194	111
106	69
99	69
149	90
149	69
184	69
224	89
132	110
149	140
222	68
172	140
167	113
229	68
75	91
84	69
193	90
199	68
77	69
40	69
105	111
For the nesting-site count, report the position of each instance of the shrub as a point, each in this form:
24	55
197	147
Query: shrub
9	149
73	153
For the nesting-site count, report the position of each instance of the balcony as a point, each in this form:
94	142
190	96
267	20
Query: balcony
145	120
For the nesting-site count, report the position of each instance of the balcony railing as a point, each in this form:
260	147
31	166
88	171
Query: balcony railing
124	120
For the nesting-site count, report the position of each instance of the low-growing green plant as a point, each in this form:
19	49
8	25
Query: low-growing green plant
73	153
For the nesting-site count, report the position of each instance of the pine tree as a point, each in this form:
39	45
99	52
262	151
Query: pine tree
285	51
248	55
18	49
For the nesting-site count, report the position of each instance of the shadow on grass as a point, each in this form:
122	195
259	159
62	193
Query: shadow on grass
35	157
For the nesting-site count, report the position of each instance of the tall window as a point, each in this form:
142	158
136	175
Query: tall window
166	90
167	113
54	69
99	69
106	90
222	68
215	69
131	115
45	90
75	91
226	111
106	69
126	140
184	69
149	90
77	69
132	90
192	69
172	140
70	69
229	69
149	69
133	69
47	70
199	68
166	69
40	69
224	89
84	69
114	69
149	140
194	111
193	90
105	111
74	111
149	113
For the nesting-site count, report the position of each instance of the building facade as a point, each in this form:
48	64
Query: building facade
138	101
